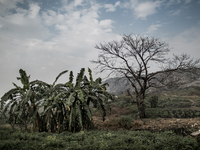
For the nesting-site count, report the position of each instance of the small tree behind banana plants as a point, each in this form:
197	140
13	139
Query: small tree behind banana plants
21	103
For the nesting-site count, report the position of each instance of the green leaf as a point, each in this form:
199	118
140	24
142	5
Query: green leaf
79	114
69	85
80	95
6	96
98	81
89	114
34	116
90	74
21	91
59	76
11	107
24	79
28	96
70	99
71	77
41	83
70	119
86	81
6	107
79	78
46	110
59	95
101	108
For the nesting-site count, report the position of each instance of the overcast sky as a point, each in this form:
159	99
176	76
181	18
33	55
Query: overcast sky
45	37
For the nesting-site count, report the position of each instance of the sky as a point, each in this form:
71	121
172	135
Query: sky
46	37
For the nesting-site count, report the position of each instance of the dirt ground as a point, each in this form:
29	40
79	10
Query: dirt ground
158	124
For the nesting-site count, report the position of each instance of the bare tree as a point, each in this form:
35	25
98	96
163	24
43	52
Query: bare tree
133	56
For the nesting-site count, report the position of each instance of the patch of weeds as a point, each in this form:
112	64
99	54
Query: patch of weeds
152	112
52	141
125	122
108	135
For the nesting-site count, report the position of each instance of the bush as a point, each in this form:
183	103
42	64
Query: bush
153	101
125	122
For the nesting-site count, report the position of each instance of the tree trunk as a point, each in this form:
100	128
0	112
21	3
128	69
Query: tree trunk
141	106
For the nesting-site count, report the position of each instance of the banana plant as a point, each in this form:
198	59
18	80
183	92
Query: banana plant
64	106
81	95
71	101
96	94
21	103
54	111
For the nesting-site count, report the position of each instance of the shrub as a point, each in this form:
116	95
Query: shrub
153	101
125	122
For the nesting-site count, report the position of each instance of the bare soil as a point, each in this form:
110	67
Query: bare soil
158	124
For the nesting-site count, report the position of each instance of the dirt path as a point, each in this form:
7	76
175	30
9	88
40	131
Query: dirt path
157	124
160	124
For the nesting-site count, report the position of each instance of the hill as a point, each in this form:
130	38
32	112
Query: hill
119	86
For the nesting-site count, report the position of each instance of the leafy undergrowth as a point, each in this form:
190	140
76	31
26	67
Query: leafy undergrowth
98	140
175	110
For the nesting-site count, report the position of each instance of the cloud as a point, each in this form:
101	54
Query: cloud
175	12
186	42
182	8
106	23
8	5
146	9
46	42
188	1
110	7
78	2
173	2
153	28
34	10
141	10
22	24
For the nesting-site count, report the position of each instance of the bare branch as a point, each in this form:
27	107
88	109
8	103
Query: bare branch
132	58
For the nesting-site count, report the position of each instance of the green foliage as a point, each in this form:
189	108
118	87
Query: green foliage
171	113
71	102
24	79
153	101
13	139
123	101
63	106
60	74
125	122
21	104
175	102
